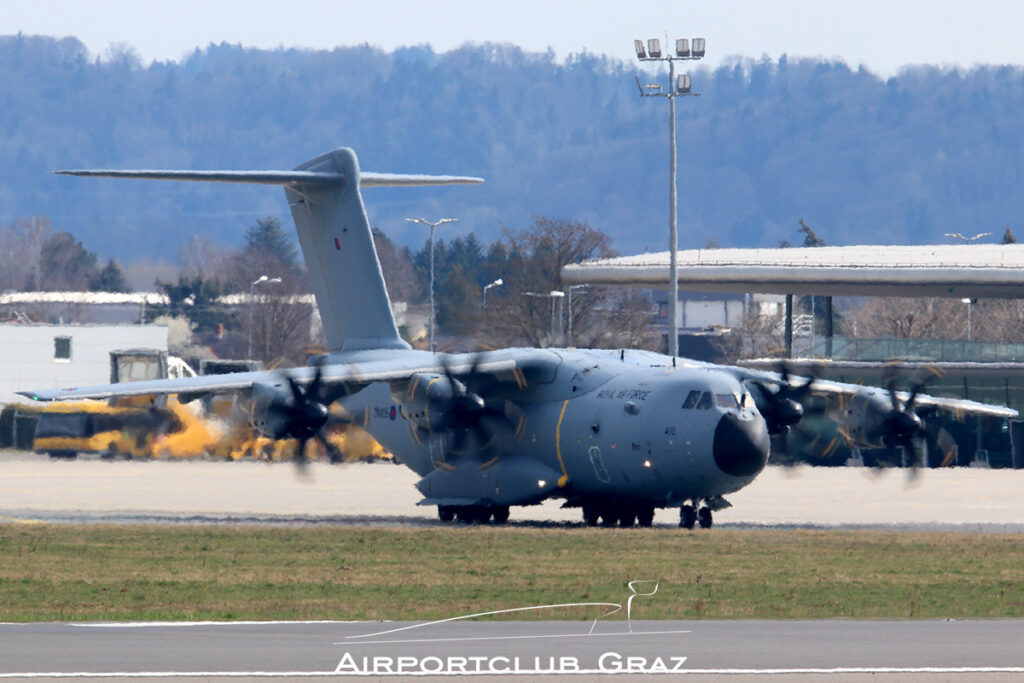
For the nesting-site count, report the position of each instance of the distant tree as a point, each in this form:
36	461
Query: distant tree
1009	237
195	299
399	275
20	250
110	279
519	313
66	265
810	239
267	236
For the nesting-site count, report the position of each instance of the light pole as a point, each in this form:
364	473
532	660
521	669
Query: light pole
553	294
433	226
252	302
676	88
568	325
497	283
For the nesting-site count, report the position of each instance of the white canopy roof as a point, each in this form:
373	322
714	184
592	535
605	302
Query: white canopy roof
947	270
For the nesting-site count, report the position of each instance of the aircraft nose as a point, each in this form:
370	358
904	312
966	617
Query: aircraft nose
741	447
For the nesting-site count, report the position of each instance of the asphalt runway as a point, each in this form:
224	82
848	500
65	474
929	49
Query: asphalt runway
36	488
837	650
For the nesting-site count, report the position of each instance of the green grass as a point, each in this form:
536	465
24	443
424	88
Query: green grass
65	572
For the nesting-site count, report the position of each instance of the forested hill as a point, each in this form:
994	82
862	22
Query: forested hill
859	158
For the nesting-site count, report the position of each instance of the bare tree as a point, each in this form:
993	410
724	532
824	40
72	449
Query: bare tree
520	312
21	245
905	318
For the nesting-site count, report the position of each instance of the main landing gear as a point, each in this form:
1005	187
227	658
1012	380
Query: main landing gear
470	514
623	514
690	515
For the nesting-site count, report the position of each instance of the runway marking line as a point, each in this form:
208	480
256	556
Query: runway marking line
549	635
839	671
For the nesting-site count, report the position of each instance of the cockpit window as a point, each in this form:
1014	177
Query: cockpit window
726	401
705	401
691	400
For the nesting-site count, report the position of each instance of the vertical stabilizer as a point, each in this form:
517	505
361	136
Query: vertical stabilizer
337	245
334	235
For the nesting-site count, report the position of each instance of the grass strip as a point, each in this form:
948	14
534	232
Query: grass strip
78	573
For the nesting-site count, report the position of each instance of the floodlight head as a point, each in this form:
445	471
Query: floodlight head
682	47
654	48
683	84
698	47
640	53
498	283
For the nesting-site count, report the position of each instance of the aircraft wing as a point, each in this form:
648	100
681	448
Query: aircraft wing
400	365
828	387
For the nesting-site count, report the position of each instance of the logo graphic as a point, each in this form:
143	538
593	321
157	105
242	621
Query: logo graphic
608	662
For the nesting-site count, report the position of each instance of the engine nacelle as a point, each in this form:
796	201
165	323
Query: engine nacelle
426	399
268	409
868	420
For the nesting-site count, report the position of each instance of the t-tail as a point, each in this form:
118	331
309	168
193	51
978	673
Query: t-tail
335	237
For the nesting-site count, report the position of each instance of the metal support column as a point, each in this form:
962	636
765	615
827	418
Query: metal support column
828	327
789	326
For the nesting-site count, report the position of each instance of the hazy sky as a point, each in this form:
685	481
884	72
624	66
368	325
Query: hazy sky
882	34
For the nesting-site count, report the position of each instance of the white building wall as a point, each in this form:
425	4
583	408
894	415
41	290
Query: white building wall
27	354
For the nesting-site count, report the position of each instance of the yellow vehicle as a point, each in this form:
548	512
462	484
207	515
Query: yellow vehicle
65	430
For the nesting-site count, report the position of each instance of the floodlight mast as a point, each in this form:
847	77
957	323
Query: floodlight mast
680	88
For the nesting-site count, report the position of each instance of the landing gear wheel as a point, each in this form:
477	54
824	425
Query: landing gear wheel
591	514
501	514
704	518
483	514
445	513
687	517
465	514
609	516
627	516
645	515
64	455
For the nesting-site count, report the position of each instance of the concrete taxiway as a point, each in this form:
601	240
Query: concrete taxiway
35	487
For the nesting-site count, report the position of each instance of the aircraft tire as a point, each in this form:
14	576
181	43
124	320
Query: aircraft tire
591	514
481	514
501	514
609	516
465	514
627	516
687	517
645	516
63	455
446	513
704	518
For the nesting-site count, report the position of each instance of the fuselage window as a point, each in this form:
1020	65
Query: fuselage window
705	401
691	400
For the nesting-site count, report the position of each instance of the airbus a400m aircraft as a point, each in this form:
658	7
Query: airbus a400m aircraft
617	433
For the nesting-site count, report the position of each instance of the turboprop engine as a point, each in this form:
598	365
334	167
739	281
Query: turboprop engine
282	410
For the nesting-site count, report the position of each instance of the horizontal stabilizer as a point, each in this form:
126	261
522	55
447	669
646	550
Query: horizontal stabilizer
367	179
281	177
258	177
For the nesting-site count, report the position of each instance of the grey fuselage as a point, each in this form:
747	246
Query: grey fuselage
595	424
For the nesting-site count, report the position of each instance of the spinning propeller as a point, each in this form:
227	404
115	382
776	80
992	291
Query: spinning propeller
306	417
473	415
783	408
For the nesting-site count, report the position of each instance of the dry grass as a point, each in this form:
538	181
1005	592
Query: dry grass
57	572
